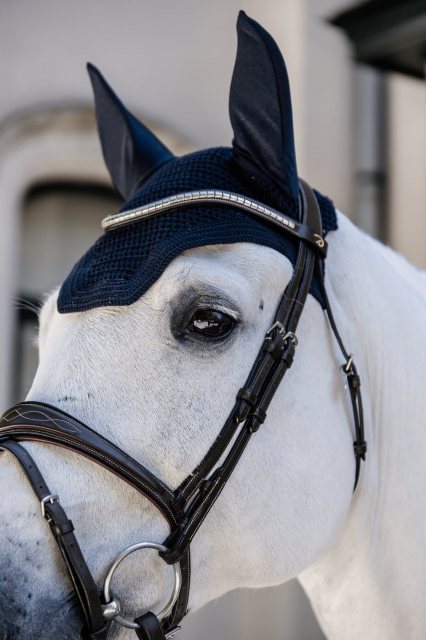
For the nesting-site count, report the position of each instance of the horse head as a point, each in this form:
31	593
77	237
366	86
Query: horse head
149	340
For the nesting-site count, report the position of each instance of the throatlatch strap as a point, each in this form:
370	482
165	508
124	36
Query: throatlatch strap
354	383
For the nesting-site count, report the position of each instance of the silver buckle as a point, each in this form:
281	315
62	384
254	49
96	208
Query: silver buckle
346	367
51	499
287	335
276	325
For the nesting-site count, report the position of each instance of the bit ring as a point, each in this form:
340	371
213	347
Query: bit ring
168	607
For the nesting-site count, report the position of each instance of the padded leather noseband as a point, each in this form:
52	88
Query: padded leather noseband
186	507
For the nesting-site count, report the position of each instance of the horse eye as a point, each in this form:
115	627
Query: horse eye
211	323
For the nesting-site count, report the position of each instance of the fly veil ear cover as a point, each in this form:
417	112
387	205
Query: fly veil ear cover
260	113
131	151
125	262
260	109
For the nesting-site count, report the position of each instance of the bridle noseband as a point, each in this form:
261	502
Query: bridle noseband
186	507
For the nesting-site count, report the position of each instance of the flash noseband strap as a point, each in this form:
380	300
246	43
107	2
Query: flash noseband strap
283	222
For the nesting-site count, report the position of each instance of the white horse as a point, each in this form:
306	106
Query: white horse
288	509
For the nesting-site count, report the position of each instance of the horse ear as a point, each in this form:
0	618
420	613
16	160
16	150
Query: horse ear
131	151
260	108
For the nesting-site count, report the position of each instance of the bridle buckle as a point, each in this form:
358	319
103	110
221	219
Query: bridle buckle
347	370
51	499
347	366
286	335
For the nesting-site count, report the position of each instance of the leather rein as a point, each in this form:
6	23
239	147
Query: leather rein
186	507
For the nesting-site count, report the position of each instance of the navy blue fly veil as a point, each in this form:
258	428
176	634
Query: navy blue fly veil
261	165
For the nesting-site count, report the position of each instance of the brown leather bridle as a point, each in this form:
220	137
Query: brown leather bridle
186	507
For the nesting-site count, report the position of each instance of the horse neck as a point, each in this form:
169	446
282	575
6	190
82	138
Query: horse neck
370	583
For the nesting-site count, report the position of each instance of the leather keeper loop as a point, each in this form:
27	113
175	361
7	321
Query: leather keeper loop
247	395
259	417
288	355
60	530
274	347
360	449
150	627
207	484
354	380
174	554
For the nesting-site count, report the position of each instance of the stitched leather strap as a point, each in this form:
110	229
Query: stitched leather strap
41	422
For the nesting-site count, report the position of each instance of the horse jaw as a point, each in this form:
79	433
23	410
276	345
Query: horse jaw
123	372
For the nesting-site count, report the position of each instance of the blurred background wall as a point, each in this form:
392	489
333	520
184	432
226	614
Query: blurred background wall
360	138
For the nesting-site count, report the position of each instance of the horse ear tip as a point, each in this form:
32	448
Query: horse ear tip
98	81
245	21
96	77
93	71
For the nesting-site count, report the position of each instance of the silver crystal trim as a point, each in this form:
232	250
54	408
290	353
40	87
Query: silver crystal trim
209	195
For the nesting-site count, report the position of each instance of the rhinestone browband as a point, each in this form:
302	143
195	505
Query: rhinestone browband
158	207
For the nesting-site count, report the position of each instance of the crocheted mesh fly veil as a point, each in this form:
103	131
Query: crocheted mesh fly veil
124	262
